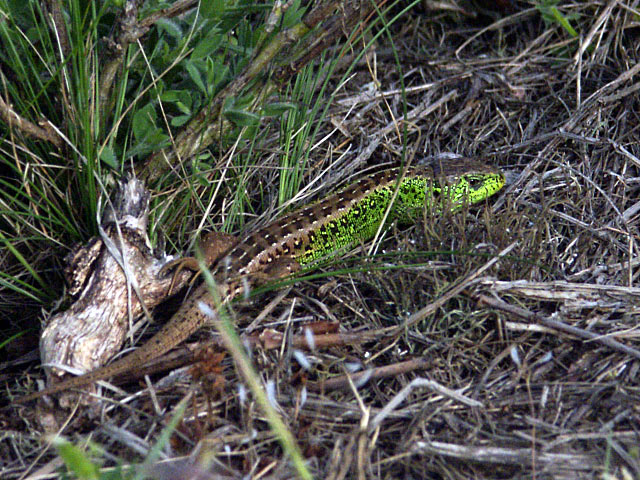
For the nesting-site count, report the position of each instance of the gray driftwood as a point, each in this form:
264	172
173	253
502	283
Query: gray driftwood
95	327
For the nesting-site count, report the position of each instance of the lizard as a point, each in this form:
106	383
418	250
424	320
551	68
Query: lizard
310	233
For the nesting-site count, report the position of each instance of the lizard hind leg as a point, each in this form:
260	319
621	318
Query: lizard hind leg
280	268
212	245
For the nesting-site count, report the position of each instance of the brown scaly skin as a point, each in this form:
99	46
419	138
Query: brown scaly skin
288	241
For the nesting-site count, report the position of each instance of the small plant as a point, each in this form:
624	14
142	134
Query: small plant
551	14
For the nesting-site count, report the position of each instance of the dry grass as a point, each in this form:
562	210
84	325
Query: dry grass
561	116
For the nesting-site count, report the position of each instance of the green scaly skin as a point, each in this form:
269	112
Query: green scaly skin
416	191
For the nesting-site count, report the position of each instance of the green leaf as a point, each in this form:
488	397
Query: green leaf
180	98
76	460
242	118
108	157
170	96
213	9
293	14
240	103
183	108
144	121
153	142
180	120
206	46
564	22
170	27
195	75
278	108
157	139
217	72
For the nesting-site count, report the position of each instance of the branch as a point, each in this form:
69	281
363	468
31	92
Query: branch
127	30
11	118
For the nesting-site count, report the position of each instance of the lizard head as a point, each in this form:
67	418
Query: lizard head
464	181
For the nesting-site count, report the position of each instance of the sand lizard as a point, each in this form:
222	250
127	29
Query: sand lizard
339	221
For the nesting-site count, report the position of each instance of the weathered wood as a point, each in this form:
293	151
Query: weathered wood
95	326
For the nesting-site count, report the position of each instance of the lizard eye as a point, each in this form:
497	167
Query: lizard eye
475	183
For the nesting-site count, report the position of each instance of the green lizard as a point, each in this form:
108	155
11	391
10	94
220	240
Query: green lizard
298	239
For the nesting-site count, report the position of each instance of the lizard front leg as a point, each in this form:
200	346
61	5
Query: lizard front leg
213	245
